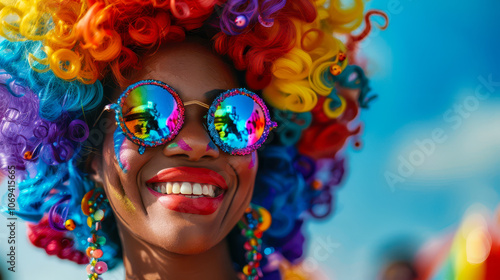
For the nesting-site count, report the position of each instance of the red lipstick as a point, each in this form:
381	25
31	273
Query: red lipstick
201	205
189	174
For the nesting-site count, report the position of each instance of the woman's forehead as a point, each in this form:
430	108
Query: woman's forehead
191	68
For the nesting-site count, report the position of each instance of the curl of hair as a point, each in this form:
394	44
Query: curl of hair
304	72
84	42
269	9
336	17
289	194
56	96
256	50
238	8
291	126
54	195
41	131
55	243
353	40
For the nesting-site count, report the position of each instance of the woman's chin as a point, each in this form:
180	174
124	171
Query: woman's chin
185	241
176	234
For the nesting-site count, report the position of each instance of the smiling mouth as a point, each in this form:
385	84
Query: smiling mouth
187	189
192	190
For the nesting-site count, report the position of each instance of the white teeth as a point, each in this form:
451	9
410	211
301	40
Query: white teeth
176	188
197	189
191	190
186	188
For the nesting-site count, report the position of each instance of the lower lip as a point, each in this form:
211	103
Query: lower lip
180	203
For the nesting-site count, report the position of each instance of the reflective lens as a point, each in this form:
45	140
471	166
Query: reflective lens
239	121
151	112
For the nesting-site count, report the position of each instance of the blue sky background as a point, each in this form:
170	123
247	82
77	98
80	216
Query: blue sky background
429	59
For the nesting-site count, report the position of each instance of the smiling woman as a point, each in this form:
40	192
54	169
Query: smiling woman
190	166
198	223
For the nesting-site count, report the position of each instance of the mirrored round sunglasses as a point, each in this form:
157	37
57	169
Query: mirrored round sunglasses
150	113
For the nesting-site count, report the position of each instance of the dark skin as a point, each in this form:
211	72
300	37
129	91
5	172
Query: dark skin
159	243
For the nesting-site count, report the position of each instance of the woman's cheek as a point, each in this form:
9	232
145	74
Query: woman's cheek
116	157
118	198
246	167
125	152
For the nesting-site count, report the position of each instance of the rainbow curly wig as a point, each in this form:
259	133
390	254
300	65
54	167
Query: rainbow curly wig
58	57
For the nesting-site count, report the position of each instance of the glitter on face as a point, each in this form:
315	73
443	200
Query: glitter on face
184	145
129	206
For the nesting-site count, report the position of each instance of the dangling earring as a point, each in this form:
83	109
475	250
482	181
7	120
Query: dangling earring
92	206
254	222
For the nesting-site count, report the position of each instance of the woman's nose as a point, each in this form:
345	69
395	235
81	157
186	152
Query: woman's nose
193	142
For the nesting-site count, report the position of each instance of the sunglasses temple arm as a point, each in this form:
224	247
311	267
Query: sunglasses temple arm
106	108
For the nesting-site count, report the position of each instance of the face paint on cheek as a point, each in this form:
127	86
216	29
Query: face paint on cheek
119	139
125	202
211	145
184	145
252	162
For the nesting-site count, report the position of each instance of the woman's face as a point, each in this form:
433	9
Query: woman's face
178	223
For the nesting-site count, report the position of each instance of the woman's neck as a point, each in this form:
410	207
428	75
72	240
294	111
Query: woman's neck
149	262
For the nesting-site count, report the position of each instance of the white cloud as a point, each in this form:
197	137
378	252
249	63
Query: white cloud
470	150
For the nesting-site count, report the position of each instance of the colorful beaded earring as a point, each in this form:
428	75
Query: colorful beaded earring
255	221
91	207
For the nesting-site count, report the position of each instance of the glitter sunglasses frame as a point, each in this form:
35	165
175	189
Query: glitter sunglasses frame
209	117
